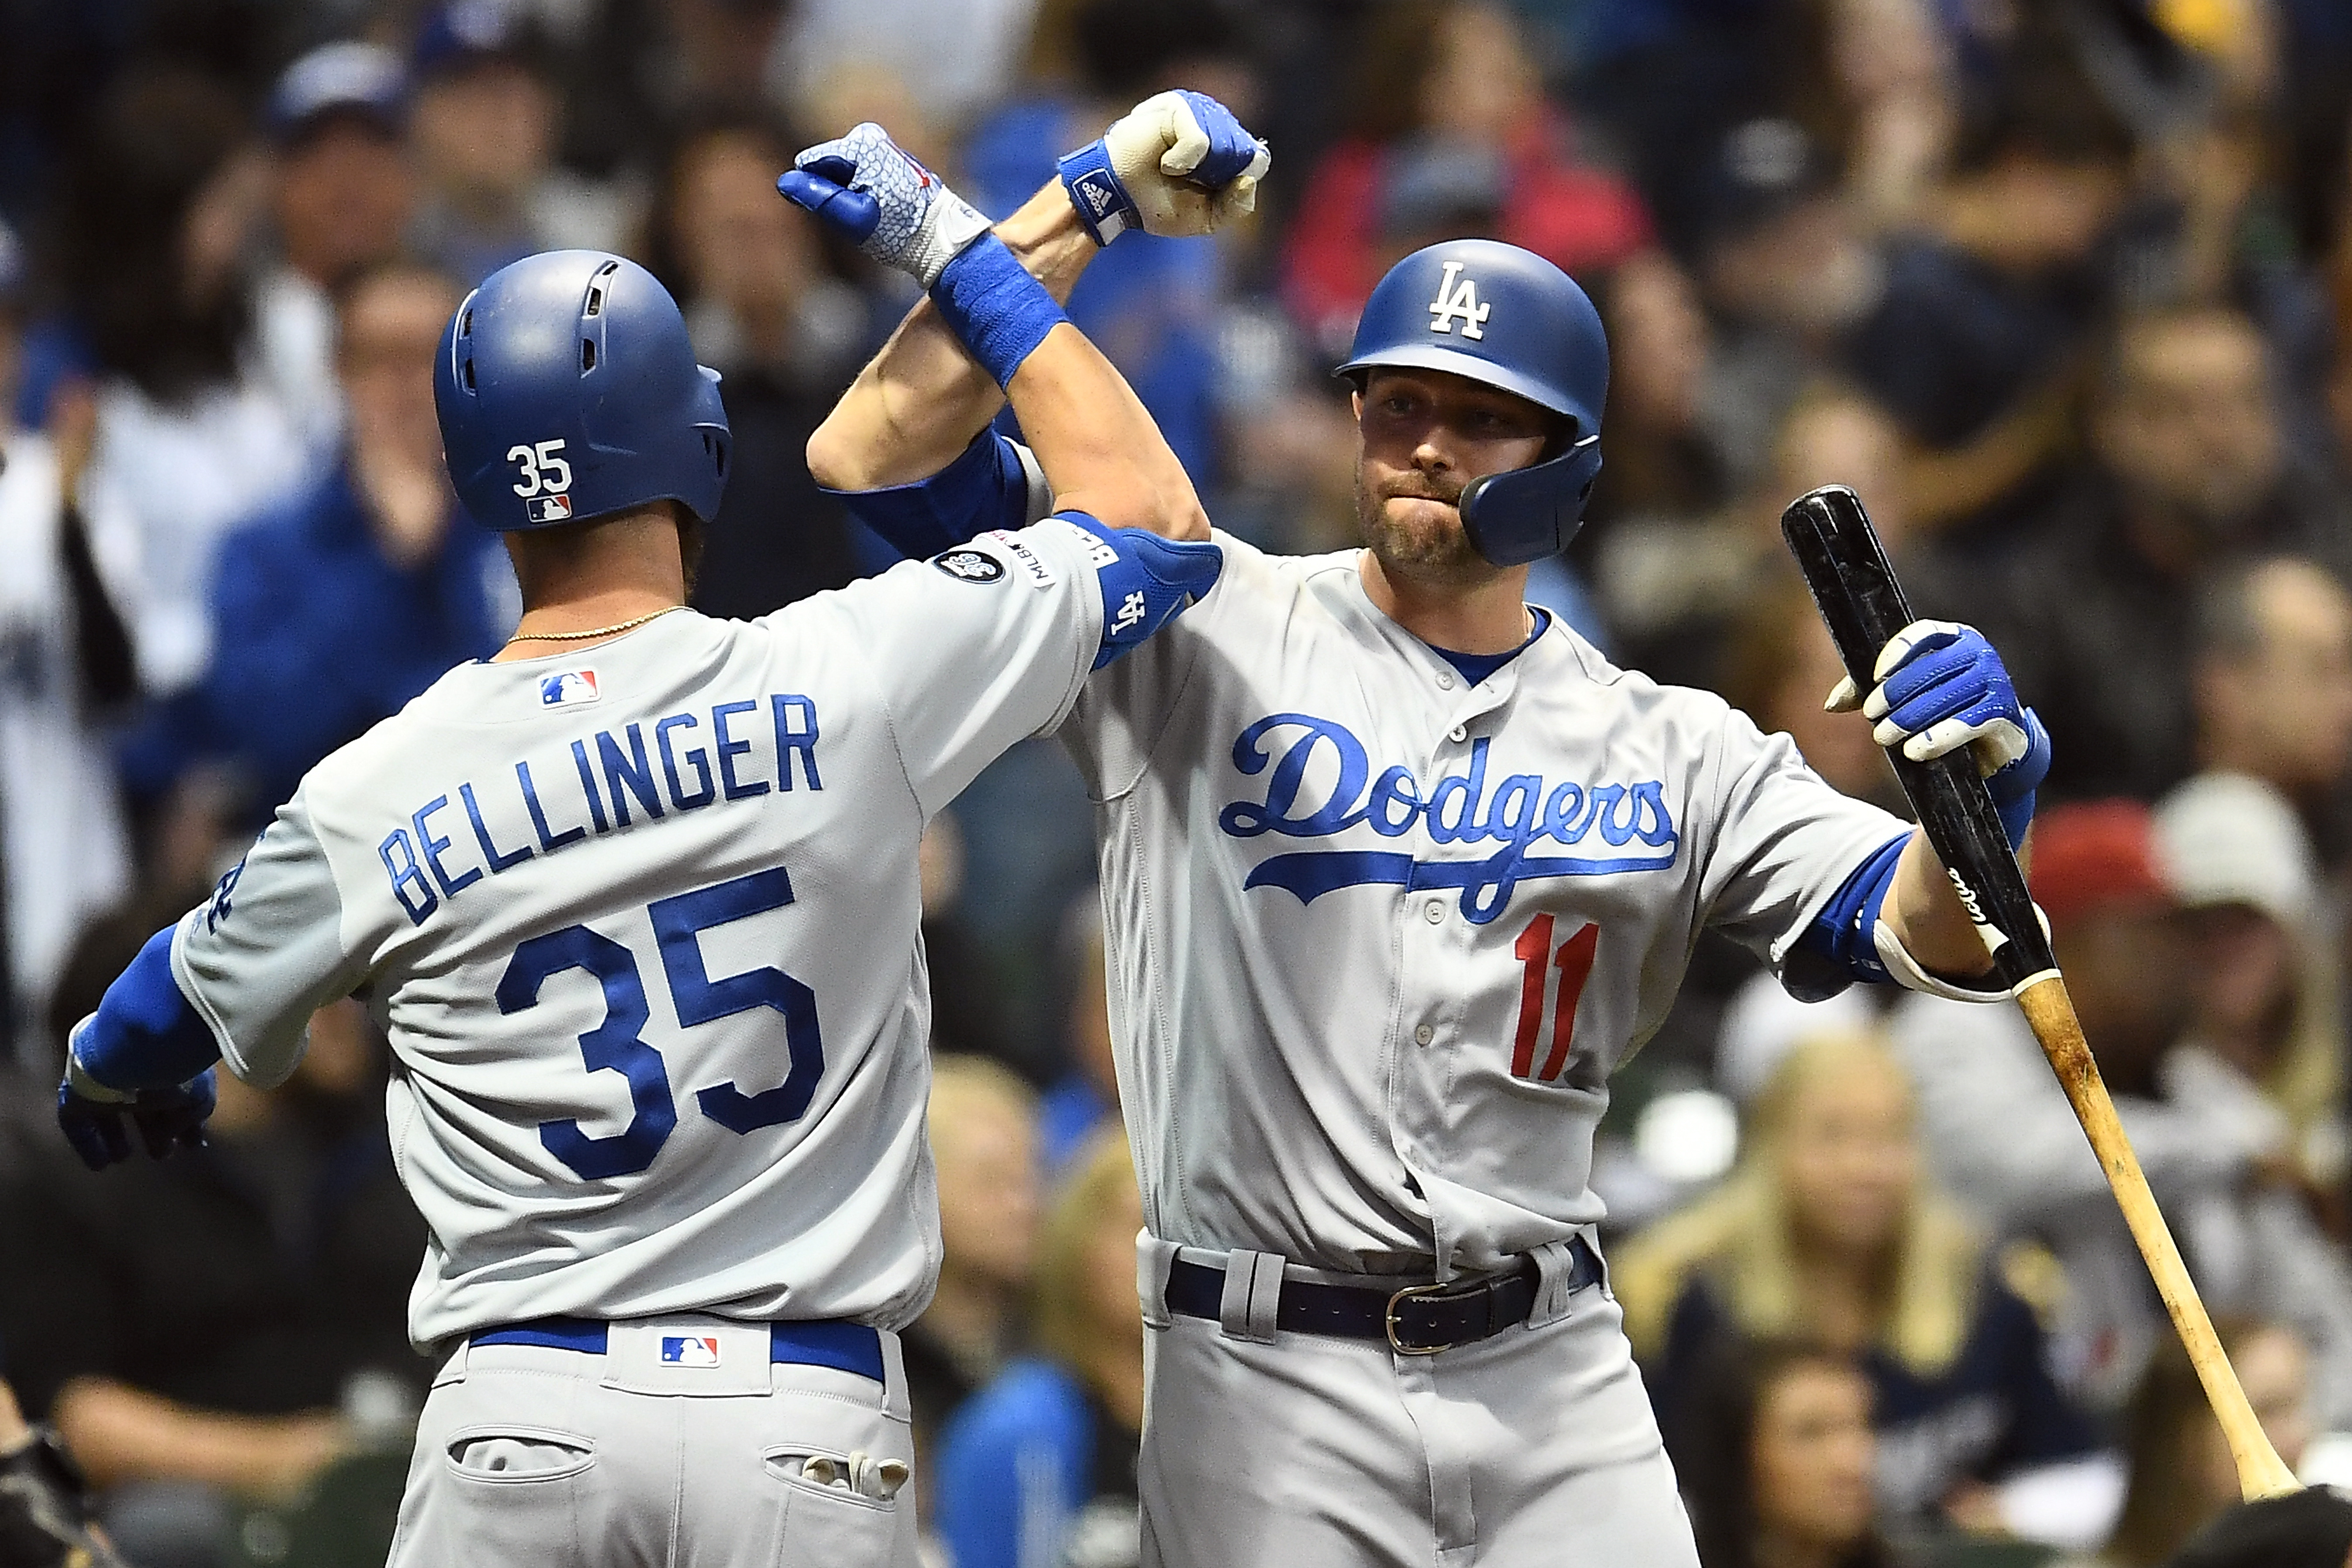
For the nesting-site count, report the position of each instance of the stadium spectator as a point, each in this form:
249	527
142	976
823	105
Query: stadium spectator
2095	612
209	1329
1038	1468
1675	592
1988	303
485	126
1085	1098
156	215
2182	1477
1449	134
966	1001
43	1500
647	71
65	671
330	614
2001	1137
1775	1454
2267	1019
785	335
343	191
1154	304
1826	1228
2271	684
984	1142
1781	661
1668	456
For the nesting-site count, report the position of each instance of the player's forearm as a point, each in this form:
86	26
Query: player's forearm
1098	444
921	401
123	1434
1927	919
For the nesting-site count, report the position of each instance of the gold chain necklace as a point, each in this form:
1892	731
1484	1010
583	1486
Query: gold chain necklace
595	631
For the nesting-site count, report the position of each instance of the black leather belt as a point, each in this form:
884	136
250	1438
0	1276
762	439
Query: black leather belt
1420	1319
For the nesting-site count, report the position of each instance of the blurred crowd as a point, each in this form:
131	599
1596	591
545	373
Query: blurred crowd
2062	287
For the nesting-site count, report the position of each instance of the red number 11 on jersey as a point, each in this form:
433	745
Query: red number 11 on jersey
1574	961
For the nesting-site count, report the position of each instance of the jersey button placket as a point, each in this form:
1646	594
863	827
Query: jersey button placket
1424	1036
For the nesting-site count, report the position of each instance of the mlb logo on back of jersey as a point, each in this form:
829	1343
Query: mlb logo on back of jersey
549	508
690	1349
571	689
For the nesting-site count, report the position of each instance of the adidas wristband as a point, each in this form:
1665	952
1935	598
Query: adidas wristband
991	304
1101	201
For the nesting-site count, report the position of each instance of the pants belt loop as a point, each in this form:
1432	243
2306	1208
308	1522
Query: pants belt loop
1253	1293
1153	1258
1555	1261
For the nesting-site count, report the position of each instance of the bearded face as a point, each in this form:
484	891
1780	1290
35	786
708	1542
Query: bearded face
1426	435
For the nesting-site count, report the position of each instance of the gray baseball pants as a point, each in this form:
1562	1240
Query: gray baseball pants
1535	1447
531	1457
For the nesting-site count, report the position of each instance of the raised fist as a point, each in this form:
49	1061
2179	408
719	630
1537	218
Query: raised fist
1176	164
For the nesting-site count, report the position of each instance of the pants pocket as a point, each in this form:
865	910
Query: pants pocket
501	1493
527	1453
840	1510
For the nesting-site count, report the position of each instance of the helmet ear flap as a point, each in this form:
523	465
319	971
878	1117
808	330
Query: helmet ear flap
1524	514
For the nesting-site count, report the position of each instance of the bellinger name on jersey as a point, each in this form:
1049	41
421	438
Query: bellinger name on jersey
725	754
1524	808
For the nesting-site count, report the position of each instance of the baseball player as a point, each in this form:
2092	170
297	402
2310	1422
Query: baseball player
635	902
1396	870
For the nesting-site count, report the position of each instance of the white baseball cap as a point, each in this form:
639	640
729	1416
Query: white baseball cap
2229	838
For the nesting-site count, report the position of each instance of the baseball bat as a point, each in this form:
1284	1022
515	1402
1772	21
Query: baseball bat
1846	569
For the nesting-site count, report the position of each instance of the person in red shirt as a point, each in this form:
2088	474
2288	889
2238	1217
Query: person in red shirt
1451	137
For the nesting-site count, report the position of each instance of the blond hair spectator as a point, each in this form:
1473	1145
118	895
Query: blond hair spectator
1827	1228
1038	1470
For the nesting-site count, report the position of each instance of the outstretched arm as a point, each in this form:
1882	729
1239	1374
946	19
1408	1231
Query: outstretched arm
918	403
1179	163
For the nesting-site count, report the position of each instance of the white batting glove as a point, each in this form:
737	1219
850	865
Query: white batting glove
1178	164
872	190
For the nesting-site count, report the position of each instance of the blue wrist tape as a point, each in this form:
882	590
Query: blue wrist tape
145	1034
1100	200
990	302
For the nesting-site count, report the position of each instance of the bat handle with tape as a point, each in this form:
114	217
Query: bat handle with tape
1864	606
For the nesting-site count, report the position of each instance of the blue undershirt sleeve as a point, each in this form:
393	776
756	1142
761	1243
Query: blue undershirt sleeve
1841	946
986	487
145	1033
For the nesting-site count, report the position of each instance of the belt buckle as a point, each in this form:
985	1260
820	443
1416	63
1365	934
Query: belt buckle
1390	1319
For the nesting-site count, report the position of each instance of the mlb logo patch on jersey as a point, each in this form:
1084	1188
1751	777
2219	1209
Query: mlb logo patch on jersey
549	508
690	1349
970	567
569	688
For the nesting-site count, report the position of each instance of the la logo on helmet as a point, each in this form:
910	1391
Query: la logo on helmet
1458	301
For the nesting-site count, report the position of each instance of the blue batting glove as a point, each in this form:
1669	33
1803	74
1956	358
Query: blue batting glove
1176	164
93	1118
874	191
1942	687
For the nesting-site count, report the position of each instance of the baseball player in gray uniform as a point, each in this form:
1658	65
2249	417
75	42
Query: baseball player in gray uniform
1396	870
635	902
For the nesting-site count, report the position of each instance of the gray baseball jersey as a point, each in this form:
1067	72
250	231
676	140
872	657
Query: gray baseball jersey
1377	935
642	925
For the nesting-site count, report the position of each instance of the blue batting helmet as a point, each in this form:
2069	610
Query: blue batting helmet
1504	317
567	389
